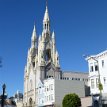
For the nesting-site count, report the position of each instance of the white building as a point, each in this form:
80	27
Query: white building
98	67
45	93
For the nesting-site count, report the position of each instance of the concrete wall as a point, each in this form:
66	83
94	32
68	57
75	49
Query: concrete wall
86	101
63	87
80	76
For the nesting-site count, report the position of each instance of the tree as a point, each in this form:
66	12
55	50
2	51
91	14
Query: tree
100	86
71	100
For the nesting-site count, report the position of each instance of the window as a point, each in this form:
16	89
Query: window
102	63
45	26
92	83
67	78
52	97
72	78
78	79
42	101
91	69
48	55
96	67
45	98
47	89
39	91
86	79
75	78
104	80
33	64
51	86
49	98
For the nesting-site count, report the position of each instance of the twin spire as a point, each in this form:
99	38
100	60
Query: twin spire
46	15
46	26
33	38
46	23
34	34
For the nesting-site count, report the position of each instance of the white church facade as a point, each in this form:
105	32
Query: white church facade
42	60
44	82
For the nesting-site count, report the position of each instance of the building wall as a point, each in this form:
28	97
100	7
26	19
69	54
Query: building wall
80	76
49	92
86	101
46	93
63	87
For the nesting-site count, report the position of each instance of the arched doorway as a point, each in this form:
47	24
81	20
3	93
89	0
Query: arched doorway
30	102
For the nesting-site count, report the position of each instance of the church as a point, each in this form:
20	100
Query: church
43	73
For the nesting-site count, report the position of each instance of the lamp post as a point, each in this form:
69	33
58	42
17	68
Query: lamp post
99	80
3	87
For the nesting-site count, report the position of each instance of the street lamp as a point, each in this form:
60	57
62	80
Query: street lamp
3	87
100	85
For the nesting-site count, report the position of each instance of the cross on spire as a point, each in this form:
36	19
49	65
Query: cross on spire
46	2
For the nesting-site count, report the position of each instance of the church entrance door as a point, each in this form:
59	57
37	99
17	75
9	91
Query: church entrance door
30	102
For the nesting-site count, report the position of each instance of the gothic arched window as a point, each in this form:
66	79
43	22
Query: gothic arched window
48	55
45	26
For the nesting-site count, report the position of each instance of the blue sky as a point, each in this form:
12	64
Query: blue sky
80	27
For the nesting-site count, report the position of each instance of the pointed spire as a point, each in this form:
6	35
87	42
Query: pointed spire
39	37
57	54
53	34
34	34
57	59
46	15
46	22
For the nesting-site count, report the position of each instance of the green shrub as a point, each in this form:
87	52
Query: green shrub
71	100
